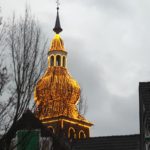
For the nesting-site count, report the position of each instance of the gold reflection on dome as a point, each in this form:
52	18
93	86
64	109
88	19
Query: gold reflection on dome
56	94
57	43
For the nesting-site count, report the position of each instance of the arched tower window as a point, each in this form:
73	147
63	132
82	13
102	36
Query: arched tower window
82	135
64	61
72	133
51	129
58	60
52	61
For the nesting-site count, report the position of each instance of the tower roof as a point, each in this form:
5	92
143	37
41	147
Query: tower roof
57	43
57	93
57	29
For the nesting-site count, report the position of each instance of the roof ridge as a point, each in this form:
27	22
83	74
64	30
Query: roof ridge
125	135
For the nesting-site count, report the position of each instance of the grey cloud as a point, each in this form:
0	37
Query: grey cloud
108	53
110	113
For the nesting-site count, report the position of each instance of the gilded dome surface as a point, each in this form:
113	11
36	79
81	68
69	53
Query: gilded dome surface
57	43
57	93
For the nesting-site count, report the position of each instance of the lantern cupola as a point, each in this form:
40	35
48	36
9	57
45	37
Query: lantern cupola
57	55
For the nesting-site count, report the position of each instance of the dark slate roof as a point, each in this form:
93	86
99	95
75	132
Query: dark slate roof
29	122
144	92
126	142
144	105
144	88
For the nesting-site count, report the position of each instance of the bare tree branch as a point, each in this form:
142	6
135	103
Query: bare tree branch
27	48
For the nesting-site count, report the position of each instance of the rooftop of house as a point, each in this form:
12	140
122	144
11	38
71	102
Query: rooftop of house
124	142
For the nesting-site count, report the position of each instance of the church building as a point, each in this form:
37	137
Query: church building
57	94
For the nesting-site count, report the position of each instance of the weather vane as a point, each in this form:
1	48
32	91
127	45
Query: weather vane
58	3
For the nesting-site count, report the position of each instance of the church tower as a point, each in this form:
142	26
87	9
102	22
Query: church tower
57	93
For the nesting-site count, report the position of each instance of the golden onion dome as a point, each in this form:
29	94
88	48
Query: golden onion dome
57	93
57	43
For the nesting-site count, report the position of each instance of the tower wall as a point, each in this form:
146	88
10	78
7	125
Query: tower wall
70	129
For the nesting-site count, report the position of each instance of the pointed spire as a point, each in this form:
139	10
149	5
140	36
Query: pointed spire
57	29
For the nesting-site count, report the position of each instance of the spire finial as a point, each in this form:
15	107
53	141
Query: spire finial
57	29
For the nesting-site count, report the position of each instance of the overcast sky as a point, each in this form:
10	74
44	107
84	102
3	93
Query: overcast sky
108	53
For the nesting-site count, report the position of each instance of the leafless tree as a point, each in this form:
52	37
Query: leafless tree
3	68
27	49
